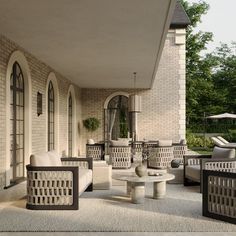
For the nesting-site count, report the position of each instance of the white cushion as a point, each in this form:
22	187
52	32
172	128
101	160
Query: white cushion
39	160
85	179
99	163
219	152
193	172
90	141
222	139
117	143
50	158
165	143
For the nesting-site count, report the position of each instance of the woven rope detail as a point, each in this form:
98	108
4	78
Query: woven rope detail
222	196
49	187
80	164
120	157
161	157
94	151
226	166
137	151
193	161
179	152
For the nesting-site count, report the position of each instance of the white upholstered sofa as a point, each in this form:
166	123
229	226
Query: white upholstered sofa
55	183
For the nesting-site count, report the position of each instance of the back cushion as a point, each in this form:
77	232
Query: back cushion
165	143
117	143
40	160
219	152
46	159
55	159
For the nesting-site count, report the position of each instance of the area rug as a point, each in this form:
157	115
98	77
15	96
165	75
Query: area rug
111	210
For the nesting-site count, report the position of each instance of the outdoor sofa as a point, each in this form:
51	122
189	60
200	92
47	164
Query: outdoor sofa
222	159
55	183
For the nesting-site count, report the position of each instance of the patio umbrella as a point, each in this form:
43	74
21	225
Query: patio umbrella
222	116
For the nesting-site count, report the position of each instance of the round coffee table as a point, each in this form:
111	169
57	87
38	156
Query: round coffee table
136	185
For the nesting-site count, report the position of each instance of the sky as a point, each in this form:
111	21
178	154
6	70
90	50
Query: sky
220	20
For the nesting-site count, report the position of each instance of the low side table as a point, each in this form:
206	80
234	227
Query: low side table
136	186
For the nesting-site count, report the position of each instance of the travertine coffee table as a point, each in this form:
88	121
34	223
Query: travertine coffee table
136	185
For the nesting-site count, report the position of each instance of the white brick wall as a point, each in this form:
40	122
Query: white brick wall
39	74
163	106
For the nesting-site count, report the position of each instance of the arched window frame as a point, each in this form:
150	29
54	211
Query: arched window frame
19	57
71	91
52	78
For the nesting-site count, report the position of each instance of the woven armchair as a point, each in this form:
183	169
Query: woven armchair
179	151
120	157
219	194
222	159
95	151
58	187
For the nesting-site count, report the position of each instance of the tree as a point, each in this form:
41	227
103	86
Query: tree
199	85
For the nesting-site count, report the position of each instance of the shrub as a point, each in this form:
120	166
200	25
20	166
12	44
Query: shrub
198	141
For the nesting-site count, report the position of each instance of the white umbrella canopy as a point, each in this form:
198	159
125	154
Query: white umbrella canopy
222	116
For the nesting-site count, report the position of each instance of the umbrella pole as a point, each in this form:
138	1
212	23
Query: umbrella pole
204	114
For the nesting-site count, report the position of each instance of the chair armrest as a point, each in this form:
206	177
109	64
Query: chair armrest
81	162
223	164
52	187
196	159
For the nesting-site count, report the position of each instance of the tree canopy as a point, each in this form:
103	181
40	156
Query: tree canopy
210	78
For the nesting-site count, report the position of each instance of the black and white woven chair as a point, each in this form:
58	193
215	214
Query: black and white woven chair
55	183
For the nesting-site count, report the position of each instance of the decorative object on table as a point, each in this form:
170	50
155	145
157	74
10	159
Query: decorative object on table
141	170
175	163
153	173
91	124
90	141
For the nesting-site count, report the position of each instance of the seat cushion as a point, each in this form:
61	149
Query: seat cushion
99	163
193	172
165	143
85	179
219	152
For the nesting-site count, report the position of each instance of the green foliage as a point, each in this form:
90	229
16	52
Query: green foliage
231	135
198	141
91	124
210	78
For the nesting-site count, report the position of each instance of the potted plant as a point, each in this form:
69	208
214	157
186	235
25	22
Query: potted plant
91	124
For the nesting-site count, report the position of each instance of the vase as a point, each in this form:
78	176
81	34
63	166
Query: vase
140	170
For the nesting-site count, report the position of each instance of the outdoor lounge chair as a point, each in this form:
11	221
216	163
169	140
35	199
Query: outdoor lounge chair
220	143
219	196
225	141
120	154
222	159
55	183
160	157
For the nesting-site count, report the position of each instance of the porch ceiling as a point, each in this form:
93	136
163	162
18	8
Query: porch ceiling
94	43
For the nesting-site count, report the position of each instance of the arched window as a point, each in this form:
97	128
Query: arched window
51	117
16	123
118	117
70	124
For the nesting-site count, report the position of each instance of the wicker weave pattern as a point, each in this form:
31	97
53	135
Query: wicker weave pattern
193	161
94	151
222	196
137	151
120	157
160	157
179	152
229	166
80	164
50	187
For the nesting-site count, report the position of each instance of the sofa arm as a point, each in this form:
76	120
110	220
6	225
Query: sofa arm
194	159
77	161
219	164
52	188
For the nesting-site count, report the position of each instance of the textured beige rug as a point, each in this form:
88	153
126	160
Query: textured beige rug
111	210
